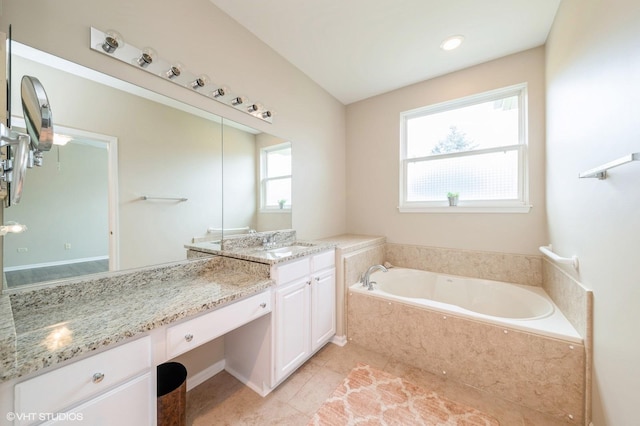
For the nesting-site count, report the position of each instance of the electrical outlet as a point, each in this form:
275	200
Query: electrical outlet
67	246
22	249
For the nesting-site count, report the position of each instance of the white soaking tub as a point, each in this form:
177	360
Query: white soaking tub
521	307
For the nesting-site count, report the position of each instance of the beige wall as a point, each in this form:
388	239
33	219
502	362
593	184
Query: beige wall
373	132
207	40
593	89
78	215
239	166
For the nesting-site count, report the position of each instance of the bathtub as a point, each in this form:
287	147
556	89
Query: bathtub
520	307
506	339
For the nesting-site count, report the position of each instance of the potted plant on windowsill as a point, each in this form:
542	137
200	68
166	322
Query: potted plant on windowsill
281	203
453	198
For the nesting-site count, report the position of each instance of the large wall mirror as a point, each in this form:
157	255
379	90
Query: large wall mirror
133	176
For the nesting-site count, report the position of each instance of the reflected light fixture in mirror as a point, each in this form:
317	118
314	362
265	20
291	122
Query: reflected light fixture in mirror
12	228
451	43
61	140
111	43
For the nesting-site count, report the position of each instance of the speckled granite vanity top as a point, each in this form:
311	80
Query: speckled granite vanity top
40	328
283	247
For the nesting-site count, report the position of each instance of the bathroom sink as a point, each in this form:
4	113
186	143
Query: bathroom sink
293	247
287	250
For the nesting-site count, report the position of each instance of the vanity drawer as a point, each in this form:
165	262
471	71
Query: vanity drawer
192	333
290	271
324	260
61	388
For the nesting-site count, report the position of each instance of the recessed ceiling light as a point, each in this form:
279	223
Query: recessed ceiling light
452	42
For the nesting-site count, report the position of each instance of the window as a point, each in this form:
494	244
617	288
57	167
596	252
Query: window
276	177
475	146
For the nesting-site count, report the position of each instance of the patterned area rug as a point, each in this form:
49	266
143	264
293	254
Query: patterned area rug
371	397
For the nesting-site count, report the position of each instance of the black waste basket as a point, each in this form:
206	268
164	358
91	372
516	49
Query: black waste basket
172	394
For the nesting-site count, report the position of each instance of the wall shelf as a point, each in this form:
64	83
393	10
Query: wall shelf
601	171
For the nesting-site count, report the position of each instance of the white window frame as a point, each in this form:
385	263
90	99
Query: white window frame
520	205
264	208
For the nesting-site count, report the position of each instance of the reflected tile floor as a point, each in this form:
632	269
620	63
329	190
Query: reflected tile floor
223	400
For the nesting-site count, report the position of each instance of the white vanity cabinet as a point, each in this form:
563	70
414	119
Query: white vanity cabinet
112	387
304	313
194	332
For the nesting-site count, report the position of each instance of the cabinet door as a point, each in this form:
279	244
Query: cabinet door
323	307
291	327
130	404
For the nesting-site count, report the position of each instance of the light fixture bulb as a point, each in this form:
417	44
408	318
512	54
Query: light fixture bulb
200	82
452	42
112	41
254	107
61	140
220	92
174	71
266	114
239	100
12	228
147	57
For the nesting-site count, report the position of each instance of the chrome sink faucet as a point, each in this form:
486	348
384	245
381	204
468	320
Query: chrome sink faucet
267	242
366	282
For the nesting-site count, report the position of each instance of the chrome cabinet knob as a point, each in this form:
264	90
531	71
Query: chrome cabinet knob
318	279
263	305
188	337
97	377
309	282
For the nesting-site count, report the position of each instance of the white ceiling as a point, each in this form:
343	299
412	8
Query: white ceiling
355	49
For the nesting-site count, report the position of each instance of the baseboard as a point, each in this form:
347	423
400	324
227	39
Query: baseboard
339	340
205	374
55	263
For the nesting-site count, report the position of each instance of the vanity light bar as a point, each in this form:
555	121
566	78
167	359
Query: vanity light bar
112	44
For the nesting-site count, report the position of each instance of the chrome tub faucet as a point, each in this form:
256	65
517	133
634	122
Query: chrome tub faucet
366	281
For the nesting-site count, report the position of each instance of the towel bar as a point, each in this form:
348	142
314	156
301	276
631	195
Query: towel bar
548	251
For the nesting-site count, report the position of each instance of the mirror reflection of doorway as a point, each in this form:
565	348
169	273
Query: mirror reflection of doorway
68	232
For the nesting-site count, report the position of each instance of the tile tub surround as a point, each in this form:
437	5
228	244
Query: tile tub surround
356	264
544	374
507	267
576	302
354	254
572	298
58	323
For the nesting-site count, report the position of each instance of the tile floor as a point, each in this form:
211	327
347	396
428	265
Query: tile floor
223	400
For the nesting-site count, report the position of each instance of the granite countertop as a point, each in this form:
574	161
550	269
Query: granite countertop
269	256
284	247
54	324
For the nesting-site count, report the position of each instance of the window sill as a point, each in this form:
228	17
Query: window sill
467	209
285	210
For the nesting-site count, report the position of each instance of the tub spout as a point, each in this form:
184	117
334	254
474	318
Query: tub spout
366	282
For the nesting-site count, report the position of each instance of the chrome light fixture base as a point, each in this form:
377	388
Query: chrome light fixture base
147	60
